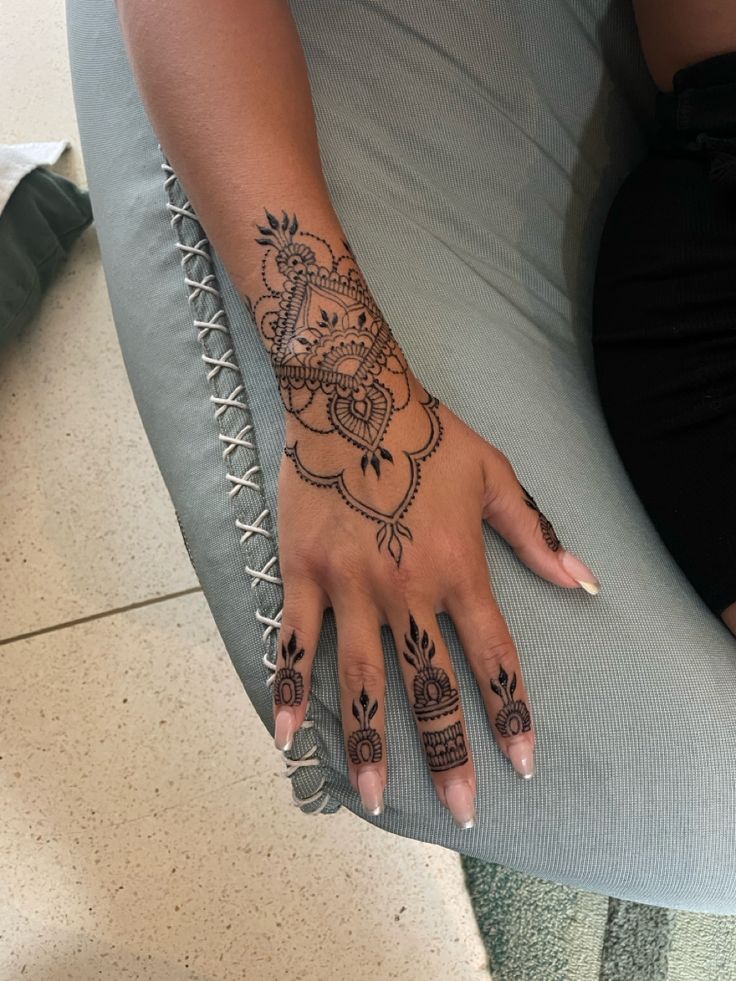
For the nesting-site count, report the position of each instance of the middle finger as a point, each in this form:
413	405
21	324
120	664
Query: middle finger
432	686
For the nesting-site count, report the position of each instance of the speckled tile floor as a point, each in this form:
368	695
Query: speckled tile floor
147	828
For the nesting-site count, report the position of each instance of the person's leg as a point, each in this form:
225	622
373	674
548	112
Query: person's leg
664	318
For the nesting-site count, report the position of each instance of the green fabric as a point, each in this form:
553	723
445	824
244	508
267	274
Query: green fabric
535	930
45	214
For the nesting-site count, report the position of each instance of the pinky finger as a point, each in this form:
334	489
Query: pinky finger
301	623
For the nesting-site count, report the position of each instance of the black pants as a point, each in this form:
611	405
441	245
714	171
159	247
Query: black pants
664	326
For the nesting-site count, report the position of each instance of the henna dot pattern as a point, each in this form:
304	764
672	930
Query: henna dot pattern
434	696
288	684
548	532
342	375
514	717
364	745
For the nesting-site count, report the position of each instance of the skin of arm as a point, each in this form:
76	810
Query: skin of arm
249	152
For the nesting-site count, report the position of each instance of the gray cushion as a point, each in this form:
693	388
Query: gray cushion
471	151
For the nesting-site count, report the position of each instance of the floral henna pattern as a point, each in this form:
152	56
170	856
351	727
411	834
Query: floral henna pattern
288	684
364	745
342	375
434	697
514	717
548	532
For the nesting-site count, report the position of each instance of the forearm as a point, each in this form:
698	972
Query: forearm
227	91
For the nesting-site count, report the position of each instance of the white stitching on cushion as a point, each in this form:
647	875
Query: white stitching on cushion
196	259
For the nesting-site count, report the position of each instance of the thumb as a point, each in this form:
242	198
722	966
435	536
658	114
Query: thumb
510	509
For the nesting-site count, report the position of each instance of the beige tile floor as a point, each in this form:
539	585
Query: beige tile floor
147	827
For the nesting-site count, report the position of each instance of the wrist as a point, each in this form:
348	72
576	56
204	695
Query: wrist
317	316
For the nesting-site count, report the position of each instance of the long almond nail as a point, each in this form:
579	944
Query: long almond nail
284	731
459	796
579	571
370	786
521	755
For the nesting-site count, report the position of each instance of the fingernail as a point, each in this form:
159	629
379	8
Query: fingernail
522	756
580	572
459	796
285	726
371	790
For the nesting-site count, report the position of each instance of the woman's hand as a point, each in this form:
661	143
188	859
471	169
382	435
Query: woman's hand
382	489
382	494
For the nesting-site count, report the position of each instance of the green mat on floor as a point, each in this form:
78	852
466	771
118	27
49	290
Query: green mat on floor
539	931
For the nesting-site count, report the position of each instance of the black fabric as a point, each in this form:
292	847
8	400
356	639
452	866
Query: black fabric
664	325
45	215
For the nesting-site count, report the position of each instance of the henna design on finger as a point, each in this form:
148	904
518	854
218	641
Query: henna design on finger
434	696
288	684
514	717
364	745
342	375
548	532
445	748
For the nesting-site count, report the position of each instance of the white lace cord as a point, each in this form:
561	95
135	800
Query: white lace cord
239	451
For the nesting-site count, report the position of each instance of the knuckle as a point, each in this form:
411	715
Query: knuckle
398	577
499	462
334	568
496	653
468	580
358	672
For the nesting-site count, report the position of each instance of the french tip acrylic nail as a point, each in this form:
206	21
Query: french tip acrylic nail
522	756
580	572
460	802
284	730
370	787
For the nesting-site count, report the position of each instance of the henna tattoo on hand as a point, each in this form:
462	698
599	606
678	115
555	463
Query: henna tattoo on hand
434	697
342	375
446	748
548	532
364	745
514	717
288	684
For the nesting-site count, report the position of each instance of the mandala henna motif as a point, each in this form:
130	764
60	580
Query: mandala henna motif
548	532
342	374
